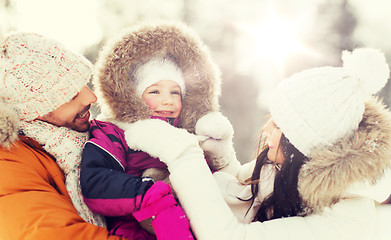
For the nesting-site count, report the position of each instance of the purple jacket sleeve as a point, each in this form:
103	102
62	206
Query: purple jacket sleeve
107	189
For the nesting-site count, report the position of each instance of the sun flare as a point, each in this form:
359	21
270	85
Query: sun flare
275	38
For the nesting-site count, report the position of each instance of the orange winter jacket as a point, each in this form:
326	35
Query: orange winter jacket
34	203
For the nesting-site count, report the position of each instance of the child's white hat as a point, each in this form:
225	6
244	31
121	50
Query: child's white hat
155	70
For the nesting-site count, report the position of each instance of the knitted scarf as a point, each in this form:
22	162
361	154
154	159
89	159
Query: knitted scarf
66	146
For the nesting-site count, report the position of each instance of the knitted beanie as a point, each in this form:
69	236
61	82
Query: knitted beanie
38	74
155	70
317	107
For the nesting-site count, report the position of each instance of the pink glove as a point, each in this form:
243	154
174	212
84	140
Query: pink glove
168	219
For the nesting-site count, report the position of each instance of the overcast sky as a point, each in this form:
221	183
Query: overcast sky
66	19
73	22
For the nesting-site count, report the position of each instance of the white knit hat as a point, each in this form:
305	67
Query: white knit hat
317	107
37	74
155	70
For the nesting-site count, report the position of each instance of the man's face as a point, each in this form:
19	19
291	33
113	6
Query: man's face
74	114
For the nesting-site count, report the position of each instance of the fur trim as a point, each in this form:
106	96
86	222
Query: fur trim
9	125
362	157
115	82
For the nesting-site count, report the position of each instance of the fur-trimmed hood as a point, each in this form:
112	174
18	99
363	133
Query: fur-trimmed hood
355	164
115	83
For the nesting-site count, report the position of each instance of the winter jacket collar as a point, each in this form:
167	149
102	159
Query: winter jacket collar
355	165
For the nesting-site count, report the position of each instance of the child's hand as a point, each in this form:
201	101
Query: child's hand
161	214
215	133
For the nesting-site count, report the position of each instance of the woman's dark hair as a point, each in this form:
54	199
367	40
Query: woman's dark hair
285	200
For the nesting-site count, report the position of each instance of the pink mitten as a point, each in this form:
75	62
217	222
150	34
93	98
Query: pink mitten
168	219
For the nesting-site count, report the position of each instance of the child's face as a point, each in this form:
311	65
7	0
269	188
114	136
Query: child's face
164	99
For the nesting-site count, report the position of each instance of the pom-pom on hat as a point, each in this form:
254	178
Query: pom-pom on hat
38	74
155	70
317	107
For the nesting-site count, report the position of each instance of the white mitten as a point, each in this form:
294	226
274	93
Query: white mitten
161	140
215	133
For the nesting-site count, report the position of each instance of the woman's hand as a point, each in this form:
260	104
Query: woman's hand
215	134
161	140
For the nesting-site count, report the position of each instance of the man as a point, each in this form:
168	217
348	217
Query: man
44	118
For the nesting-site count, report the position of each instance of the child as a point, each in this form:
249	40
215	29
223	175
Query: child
153	71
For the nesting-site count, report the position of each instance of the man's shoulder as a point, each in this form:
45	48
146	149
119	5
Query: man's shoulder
27	155
24	149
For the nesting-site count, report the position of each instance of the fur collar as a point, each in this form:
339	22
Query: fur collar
114	79
361	158
9	125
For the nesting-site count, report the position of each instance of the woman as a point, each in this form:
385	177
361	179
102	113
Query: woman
329	145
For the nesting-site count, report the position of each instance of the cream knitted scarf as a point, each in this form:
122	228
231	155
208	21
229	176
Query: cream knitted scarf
66	146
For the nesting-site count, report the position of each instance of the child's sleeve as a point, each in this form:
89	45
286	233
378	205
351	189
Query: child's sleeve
106	188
